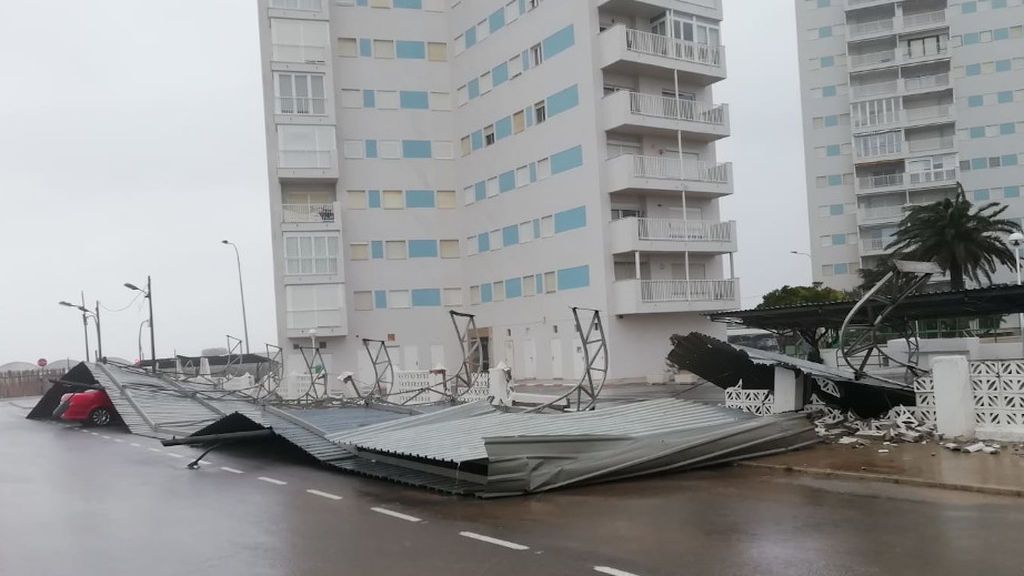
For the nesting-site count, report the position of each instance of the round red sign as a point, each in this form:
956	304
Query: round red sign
41	362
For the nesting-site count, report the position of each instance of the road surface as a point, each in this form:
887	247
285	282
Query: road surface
101	501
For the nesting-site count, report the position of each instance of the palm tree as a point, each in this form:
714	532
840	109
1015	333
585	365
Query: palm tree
963	240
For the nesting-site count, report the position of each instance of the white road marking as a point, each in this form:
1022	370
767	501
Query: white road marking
232	470
94	433
272	480
394	514
327	495
154	450
118	440
612	571
173	455
495	541
136	444
206	462
104	436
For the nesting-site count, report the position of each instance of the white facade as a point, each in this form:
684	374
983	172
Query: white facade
505	158
901	100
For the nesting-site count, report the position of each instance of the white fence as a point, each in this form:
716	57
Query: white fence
675	108
660	45
299	53
669	168
309	213
687	290
411	387
759	402
683	230
925	82
301	105
924	19
998	387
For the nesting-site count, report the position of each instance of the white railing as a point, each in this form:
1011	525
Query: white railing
876	89
929	144
300	53
873	147
883	181
308	5
872	58
668	168
687	290
305	158
932	176
875	244
859	2
706	172
301	105
660	45
927	53
881	213
924	19
872	27
927	112
309	213
925	82
678	230
675	109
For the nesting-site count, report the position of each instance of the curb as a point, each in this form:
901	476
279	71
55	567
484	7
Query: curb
906	481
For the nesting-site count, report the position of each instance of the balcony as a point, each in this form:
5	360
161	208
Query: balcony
858	30
909	117
914	57
299	54
672	235
311	216
880	215
924	20
305	106
650	8
648	114
933	178
634	173
321	164
883	183
875	89
912	180
936	144
880	58
874	246
918	84
661	296
634	52
852	4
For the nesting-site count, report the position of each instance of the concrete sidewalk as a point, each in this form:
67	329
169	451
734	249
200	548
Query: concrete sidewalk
928	465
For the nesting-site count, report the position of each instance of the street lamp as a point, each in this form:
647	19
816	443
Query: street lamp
148	293
86	314
798	253
1017	241
241	291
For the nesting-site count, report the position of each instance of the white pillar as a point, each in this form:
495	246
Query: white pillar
954	397
636	261
789	391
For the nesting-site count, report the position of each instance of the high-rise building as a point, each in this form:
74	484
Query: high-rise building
901	100
506	158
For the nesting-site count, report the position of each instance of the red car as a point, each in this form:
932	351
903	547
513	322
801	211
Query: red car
91	407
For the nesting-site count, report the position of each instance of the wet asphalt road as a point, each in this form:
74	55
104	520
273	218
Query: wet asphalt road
109	503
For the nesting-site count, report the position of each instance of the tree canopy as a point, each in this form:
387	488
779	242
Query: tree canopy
796	295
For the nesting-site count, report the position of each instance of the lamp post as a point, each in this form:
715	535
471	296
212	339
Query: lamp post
798	253
1017	241
86	314
241	291
148	293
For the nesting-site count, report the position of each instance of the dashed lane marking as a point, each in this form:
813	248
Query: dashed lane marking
272	480
118	440
155	450
394	514
94	433
206	462
173	455
232	470
612	571
327	495
104	436
495	541
136	444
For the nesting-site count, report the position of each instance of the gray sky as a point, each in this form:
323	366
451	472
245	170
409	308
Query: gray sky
131	143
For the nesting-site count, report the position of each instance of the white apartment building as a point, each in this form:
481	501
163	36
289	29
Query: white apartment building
902	99
505	158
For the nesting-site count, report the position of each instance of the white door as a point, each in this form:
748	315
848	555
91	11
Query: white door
579	363
410	358
436	356
556	359
510	354
529	359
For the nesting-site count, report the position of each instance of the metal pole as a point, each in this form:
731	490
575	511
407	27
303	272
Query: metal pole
152	337
1020	316
85	327
241	292
99	337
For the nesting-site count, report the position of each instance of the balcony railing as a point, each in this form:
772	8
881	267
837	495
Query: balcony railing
875	244
925	82
300	105
305	158
924	19
930	144
932	176
928	112
883	181
300	53
687	290
873	27
875	89
309	213
881	213
661	167
872	58
676	109
927	53
308	5
660	45
678	230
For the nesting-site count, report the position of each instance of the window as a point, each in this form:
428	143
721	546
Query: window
536	55
525	232
396	250
483	30
519	122
515	66
305	146
543	168
394	200
359	251
389	149
547	227
550	283
362	300
388	99
300	94
399	299
466	146
437	51
540	112
529	286
462	95
512	11
499	291
356	200
474	294
445	199
494	238
449	248
353	148
352	98
522	176
489	135
314	306
443	150
310	254
440	101
347	47
486	83
492	187
460	44
383	49
452	296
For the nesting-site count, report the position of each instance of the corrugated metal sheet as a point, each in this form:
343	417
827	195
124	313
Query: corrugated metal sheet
830	372
458	434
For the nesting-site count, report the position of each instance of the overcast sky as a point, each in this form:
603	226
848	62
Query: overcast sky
132	143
